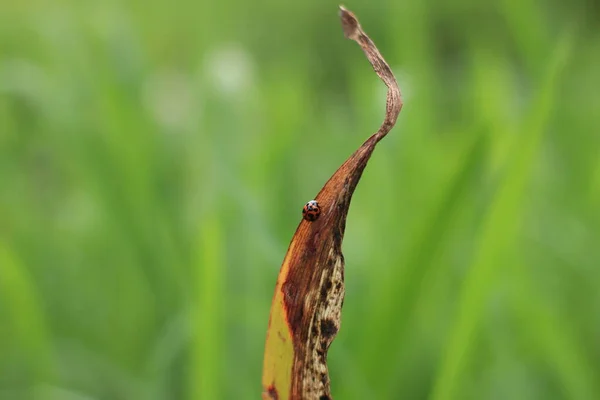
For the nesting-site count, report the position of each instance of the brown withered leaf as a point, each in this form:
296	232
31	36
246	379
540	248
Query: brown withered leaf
306	308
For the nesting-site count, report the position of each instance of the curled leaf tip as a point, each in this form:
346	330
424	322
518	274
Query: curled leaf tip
349	23
353	31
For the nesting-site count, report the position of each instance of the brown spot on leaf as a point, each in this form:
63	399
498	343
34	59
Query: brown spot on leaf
326	289
290	293
270	394
328	328
283	339
337	237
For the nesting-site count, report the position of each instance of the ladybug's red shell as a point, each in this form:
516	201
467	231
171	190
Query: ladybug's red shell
311	211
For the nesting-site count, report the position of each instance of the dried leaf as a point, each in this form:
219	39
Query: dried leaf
306	308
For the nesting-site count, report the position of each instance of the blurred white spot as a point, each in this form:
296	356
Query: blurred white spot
169	99
230	68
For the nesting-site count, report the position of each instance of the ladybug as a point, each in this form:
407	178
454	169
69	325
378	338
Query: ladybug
311	211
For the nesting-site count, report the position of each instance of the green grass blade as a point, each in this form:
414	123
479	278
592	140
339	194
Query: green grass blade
499	231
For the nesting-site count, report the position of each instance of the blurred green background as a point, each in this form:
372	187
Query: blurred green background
155	157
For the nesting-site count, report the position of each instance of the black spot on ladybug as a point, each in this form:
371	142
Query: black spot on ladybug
328	328
311	211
